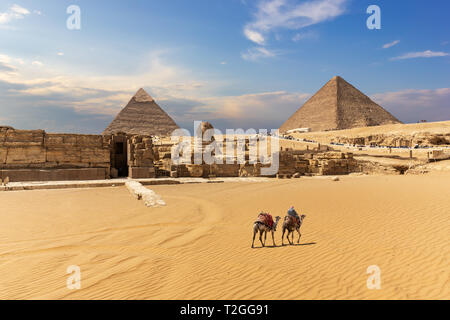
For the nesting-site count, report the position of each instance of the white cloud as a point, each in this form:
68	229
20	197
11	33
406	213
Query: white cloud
424	54
8	64
13	13
412	105
391	44
177	90
101	94
257	53
60	53
7	59
305	35
285	14
223	62
19	10
4	58
37	63
4	67
254	36
262	106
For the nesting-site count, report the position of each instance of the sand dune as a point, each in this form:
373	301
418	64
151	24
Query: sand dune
198	246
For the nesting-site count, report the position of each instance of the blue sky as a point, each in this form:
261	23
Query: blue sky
234	63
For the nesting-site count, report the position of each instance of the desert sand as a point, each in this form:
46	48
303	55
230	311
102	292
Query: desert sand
441	127
199	245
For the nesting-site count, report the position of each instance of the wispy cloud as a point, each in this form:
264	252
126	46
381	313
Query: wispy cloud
257	53
285	14
305	35
412	105
80	103
6	67
13	13
259	110
37	63
97	95
424	54
256	105
254	36
391	44
7	64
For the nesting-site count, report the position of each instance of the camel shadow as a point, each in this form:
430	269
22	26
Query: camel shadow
286	245
304	244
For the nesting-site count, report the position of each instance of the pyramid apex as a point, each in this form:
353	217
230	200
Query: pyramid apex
142	96
143	116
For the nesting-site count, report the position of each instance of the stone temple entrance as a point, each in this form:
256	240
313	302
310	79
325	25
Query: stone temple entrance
119	155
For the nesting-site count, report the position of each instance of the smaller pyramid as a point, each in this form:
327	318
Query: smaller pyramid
144	116
336	106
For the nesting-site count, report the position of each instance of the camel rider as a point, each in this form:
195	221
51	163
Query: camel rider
293	213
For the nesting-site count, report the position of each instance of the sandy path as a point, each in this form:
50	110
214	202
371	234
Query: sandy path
198	247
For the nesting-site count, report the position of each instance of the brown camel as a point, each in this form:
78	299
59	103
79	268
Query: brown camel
290	224
263	228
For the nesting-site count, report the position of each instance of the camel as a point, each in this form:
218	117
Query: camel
262	228
290	224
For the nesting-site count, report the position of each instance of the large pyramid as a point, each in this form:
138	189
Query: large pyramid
142	115
338	105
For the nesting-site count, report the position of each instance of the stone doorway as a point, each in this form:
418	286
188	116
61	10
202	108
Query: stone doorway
120	158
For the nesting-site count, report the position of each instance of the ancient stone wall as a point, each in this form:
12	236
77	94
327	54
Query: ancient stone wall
22	152
314	163
141	157
299	162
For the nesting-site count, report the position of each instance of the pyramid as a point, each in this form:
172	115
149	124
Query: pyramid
336	106
142	115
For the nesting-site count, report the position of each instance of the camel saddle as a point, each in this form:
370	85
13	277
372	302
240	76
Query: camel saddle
266	219
293	220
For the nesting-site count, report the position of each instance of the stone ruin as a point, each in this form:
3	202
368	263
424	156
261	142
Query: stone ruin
292	163
305	162
133	146
35	155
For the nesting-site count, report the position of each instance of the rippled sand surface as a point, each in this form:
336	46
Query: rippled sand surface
199	245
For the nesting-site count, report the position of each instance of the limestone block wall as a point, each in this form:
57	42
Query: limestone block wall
22	152
327	163
320	161
141	157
